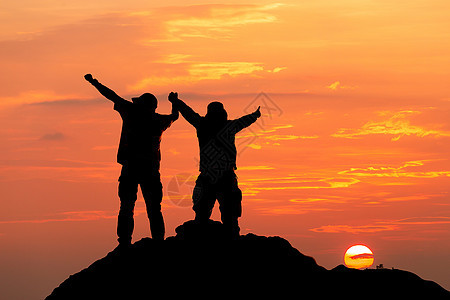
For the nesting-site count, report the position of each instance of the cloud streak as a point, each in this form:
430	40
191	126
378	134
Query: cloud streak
57	136
197	71
288	210
267	134
354	229
398	125
72	216
362	256
302	184
383	225
218	21
401	171
112	37
338	86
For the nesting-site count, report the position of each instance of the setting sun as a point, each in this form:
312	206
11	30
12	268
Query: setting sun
358	257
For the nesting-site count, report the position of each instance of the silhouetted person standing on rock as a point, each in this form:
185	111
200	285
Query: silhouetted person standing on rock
140	156
217	180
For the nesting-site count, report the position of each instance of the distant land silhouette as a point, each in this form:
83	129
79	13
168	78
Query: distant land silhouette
200	261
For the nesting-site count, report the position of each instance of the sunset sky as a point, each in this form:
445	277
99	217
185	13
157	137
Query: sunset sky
352	146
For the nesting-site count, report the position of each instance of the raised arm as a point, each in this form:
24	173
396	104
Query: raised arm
188	113
105	91
167	120
247	120
175	113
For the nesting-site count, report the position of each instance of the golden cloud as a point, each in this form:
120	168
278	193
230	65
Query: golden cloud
266	134
300	184
254	146
400	171
354	229
215	70
277	69
337	85
253	168
197	72
217	21
334	85
423	221
330	199
397	124
281	137
287	210
385	225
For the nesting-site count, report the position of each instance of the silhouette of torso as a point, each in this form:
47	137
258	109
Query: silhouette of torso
216	137
217	142
141	134
217	145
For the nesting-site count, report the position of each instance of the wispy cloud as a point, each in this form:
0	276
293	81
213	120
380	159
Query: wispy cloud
397	125
277	69
153	64
283	137
211	21
362	256
334	85
354	229
383	225
254	146
296	183
267	134
58	169
256	168
423	221
57	163
218	21
288	210
215	70
330	199
399	171
338	86
71	216
409	198
39	97
197	71
57	136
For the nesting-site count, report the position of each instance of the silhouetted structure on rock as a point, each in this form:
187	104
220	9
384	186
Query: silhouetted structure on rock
201	262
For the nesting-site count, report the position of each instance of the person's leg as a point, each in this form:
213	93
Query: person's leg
230	204
152	191
128	194
203	198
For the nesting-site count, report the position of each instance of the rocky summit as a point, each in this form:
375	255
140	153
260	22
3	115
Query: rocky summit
202	261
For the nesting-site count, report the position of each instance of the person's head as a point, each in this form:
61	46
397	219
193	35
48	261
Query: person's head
216	112
146	100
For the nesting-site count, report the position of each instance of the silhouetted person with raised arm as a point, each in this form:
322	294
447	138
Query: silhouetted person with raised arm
217	179
140	156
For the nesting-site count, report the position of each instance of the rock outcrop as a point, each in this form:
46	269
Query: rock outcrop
200	261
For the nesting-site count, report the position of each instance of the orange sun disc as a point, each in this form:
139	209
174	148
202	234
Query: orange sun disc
358	257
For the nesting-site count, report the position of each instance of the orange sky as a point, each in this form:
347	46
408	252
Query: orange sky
352	147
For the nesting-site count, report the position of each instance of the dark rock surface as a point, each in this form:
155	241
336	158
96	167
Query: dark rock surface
200	261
